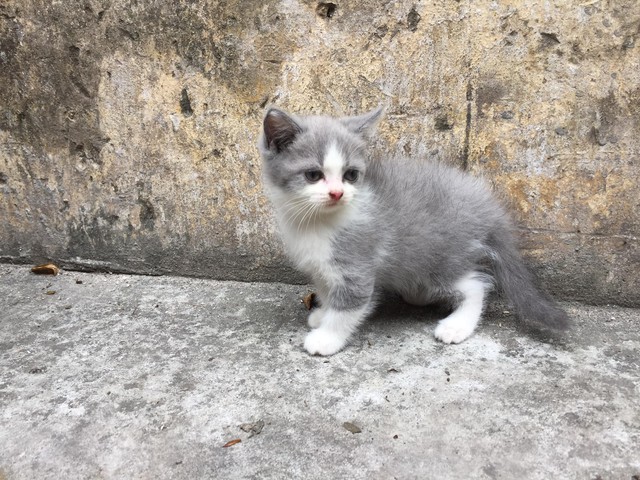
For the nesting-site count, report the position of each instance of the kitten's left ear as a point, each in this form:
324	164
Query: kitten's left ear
365	124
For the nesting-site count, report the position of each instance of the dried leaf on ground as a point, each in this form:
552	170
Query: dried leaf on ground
231	443
309	301
46	269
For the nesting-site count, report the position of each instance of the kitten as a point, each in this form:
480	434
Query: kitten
355	225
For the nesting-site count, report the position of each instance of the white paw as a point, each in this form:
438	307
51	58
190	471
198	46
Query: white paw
449	331
315	319
324	342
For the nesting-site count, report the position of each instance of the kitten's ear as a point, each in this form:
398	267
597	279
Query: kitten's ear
365	124
280	130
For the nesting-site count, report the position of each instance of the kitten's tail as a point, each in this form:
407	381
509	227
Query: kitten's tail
518	285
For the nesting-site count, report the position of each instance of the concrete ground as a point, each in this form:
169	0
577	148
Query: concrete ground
117	376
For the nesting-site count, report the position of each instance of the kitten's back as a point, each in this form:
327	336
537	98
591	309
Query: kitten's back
435	202
434	220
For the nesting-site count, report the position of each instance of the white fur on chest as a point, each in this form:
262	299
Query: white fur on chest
310	245
310	250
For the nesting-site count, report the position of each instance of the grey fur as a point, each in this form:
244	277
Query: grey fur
430	224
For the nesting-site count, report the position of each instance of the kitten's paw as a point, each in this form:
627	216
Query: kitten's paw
324	342
454	331
315	319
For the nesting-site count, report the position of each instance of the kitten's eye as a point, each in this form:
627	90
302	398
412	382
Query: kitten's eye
313	175
351	175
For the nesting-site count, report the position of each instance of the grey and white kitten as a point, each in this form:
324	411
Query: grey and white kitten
426	231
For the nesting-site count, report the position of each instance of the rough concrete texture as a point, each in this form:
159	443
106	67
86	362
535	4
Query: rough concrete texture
117	376
128	129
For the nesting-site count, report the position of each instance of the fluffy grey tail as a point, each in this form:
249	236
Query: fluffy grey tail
517	283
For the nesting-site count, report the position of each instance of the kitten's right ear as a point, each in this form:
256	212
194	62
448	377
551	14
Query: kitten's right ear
280	130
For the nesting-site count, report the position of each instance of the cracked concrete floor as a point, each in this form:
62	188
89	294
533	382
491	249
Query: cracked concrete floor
117	376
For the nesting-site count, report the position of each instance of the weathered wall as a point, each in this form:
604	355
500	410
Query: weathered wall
128	128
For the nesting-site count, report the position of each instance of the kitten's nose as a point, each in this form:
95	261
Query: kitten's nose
336	195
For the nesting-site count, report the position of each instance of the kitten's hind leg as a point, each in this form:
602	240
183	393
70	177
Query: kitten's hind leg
460	324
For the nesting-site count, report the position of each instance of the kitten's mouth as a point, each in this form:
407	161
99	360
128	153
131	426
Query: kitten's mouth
332	204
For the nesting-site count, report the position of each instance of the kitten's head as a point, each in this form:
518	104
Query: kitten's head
315	164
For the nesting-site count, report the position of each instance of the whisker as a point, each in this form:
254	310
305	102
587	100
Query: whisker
308	211
293	202
300	214
311	214
293	206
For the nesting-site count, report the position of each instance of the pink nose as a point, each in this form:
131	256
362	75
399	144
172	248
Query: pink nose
335	195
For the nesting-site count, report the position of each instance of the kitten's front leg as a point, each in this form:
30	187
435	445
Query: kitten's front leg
322	293
336	326
315	317
339	317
